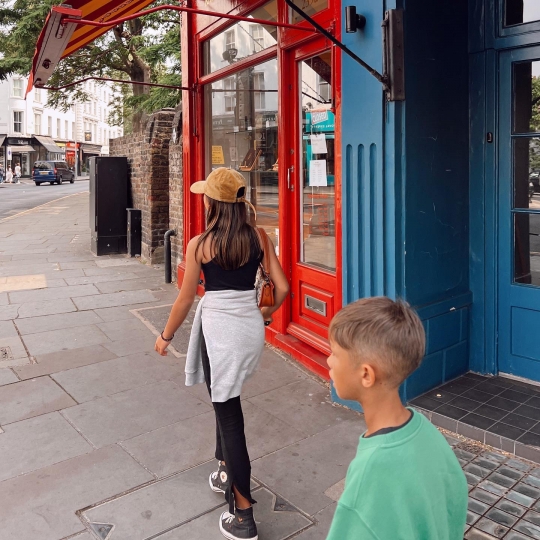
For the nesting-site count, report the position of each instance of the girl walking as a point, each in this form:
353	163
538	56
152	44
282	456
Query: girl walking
227	337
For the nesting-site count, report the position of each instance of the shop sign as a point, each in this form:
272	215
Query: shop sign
72	146
9	153
18	142
87	136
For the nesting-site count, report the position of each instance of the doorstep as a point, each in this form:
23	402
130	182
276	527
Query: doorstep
500	412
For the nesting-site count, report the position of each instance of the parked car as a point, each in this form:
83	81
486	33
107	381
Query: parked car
52	172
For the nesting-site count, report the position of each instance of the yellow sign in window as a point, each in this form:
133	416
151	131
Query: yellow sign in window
217	155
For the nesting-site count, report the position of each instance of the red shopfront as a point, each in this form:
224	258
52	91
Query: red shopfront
266	101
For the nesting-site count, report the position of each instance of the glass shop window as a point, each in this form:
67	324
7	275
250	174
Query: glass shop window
310	7
241	132
521	11
241	40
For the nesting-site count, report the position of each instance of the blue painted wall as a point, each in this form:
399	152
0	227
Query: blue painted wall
406	180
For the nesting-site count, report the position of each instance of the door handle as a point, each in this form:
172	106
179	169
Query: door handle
289	171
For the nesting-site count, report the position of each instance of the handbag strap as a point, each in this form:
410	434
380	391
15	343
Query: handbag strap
266	248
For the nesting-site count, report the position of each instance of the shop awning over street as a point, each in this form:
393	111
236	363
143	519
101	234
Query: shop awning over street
48	144
2	139
59	39
24	148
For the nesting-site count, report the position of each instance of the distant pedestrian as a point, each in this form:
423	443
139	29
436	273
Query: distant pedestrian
227	337
405	482
9	176
17	173
2	174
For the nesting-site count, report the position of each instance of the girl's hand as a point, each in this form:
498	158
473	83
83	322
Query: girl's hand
267	315
161	346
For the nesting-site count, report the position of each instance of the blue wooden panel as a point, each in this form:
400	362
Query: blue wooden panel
427	376
456	361
354	405
437	150
443	331
525	340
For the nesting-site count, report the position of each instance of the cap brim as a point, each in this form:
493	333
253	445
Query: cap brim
198	187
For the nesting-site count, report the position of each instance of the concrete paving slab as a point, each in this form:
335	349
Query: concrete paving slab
4	299
7	329
113	299
176	447
34	283
295	471
152	509
109	271
63	360
26	399
47	323
310	401
273	372
324	520
101	279
52	294
132	344
115	313
5	364
62	258
272	523
31	257
7	377
125	415
15	268
109	263
113	376
155	282
117	330
75	265
9	312
15	346
41	505
37	309
266	433
38	442
61	340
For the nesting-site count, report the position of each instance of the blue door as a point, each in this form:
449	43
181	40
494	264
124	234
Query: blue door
519	214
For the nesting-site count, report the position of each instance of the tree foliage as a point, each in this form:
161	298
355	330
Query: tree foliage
144	50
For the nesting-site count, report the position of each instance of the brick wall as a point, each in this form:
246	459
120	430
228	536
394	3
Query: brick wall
148	159
176	191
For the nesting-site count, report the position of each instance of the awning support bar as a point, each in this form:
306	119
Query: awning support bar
383	79
116	22
122	81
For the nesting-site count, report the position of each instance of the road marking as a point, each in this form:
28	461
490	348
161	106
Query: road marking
41	206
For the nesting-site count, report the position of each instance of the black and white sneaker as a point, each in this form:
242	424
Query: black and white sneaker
219	480
240	526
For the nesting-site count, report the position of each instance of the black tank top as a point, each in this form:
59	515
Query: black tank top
241	279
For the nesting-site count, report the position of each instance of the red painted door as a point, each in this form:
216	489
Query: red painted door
312	171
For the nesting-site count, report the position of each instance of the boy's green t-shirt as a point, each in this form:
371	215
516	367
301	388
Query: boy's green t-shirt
403	485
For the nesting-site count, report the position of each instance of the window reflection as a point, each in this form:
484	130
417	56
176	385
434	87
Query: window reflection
317	174
527	97
242	133
527	248
241	40
307	6
521	11
527	172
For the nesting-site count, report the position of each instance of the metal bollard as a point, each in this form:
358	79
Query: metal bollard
168	255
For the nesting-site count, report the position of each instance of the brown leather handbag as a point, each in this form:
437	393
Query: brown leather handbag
263	284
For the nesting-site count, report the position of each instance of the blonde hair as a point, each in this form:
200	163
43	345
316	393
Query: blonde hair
388	333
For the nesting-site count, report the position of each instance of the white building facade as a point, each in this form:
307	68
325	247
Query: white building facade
31	131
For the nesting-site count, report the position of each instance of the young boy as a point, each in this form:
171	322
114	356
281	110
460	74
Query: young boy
405	483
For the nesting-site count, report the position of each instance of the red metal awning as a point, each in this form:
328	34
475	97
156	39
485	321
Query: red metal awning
59	39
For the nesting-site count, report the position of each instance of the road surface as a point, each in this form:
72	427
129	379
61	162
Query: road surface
15	198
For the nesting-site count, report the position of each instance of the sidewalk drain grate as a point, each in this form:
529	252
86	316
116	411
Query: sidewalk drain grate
5	353
103	530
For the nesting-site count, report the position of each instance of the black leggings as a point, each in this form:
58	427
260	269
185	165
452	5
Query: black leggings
231	444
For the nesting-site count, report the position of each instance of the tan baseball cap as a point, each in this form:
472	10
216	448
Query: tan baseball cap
222	184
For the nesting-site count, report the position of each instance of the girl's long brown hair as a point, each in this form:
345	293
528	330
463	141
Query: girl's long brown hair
232	237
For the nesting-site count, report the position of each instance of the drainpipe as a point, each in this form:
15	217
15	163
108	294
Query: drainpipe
167	246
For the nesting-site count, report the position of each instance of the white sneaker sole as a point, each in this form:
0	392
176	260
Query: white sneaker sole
229	535
212	487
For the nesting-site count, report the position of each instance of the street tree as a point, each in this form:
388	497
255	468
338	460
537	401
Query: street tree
146	50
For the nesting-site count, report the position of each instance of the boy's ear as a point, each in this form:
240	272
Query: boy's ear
367	375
